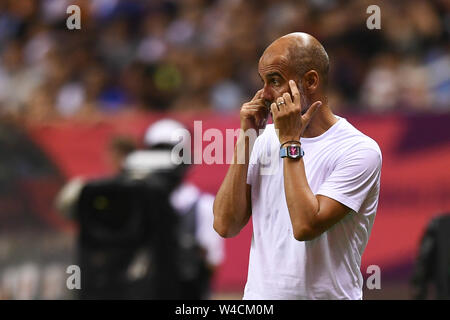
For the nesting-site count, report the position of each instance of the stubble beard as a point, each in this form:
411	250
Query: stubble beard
305	103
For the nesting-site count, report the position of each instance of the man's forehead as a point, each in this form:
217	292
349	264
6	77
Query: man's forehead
273	60
275	54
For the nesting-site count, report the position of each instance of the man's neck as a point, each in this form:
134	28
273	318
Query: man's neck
321	121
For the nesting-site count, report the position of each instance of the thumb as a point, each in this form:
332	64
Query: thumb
311	111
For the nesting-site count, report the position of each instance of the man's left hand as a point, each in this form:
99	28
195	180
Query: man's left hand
286	113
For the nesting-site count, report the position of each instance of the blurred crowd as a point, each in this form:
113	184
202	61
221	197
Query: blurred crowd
203	54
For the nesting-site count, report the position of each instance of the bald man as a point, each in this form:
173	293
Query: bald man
312	215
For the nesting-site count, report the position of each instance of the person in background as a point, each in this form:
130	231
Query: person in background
194	207
118	149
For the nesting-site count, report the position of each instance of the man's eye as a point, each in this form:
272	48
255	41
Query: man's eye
275	82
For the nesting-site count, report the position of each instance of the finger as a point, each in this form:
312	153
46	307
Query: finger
257	101
256	111
257	94
311	111
255	116
281	104
287	99
258	107
274	109
295	93
252	109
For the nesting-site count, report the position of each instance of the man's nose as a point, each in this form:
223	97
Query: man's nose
267	95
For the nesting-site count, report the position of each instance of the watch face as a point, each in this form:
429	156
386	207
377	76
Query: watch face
294	151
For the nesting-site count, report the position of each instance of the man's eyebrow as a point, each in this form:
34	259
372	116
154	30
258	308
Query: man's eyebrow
270	75
273	74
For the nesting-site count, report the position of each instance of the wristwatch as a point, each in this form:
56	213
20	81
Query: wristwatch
293	151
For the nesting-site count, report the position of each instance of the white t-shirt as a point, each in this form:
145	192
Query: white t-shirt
343	164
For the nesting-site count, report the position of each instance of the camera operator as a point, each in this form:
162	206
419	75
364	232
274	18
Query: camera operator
204	248
199	250
128	244
119	148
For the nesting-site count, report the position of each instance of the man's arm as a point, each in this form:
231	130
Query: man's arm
355	176
232	205
310	215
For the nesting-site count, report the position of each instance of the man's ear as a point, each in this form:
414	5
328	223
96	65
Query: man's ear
311	81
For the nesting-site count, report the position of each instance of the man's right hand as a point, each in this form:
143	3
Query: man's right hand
254	113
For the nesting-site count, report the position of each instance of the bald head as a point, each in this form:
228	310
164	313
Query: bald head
301	53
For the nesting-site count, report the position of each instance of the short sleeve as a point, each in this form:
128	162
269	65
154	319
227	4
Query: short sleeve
354	177
253	167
